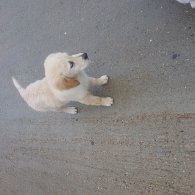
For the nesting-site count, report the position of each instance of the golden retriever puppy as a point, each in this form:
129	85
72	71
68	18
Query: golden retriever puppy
64	81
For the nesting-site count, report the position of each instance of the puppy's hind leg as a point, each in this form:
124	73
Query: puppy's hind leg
99	81
97	101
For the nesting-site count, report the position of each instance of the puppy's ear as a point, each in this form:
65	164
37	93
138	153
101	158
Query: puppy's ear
66	83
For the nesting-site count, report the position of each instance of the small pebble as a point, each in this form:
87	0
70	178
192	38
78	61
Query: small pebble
174	56
92	142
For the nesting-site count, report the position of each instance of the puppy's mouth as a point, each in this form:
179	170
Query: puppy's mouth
85	64
85	59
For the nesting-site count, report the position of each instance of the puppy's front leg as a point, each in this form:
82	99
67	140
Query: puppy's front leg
100	81
69	110
97	101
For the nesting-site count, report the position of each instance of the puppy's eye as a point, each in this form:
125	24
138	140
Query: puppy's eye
71	64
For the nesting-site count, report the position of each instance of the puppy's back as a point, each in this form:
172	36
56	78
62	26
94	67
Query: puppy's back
38	95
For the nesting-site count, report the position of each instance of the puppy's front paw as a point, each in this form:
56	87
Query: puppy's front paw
108	101
70	110
103	80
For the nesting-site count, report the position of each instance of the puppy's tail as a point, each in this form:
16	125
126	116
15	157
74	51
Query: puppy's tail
18	86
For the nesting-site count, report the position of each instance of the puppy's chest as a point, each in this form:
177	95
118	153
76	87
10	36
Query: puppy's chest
76	93
83	79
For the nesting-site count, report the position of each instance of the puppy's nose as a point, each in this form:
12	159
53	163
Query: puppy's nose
84	56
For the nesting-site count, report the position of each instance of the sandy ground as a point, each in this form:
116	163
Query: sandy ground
144	143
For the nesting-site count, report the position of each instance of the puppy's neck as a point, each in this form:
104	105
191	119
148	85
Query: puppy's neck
65	83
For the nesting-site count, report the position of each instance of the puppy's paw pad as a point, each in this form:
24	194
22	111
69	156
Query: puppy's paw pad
103	79
71	110
108	101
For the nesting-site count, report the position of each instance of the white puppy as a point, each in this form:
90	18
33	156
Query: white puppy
64	81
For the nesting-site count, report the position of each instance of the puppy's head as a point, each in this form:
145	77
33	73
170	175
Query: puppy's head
62	69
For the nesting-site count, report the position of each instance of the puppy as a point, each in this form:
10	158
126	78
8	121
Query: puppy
65	80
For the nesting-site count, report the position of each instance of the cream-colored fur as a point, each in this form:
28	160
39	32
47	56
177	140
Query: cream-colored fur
64	81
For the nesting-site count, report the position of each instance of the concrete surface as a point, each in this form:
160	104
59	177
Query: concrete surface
145	143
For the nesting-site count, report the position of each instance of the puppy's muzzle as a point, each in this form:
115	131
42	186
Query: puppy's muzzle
85	56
